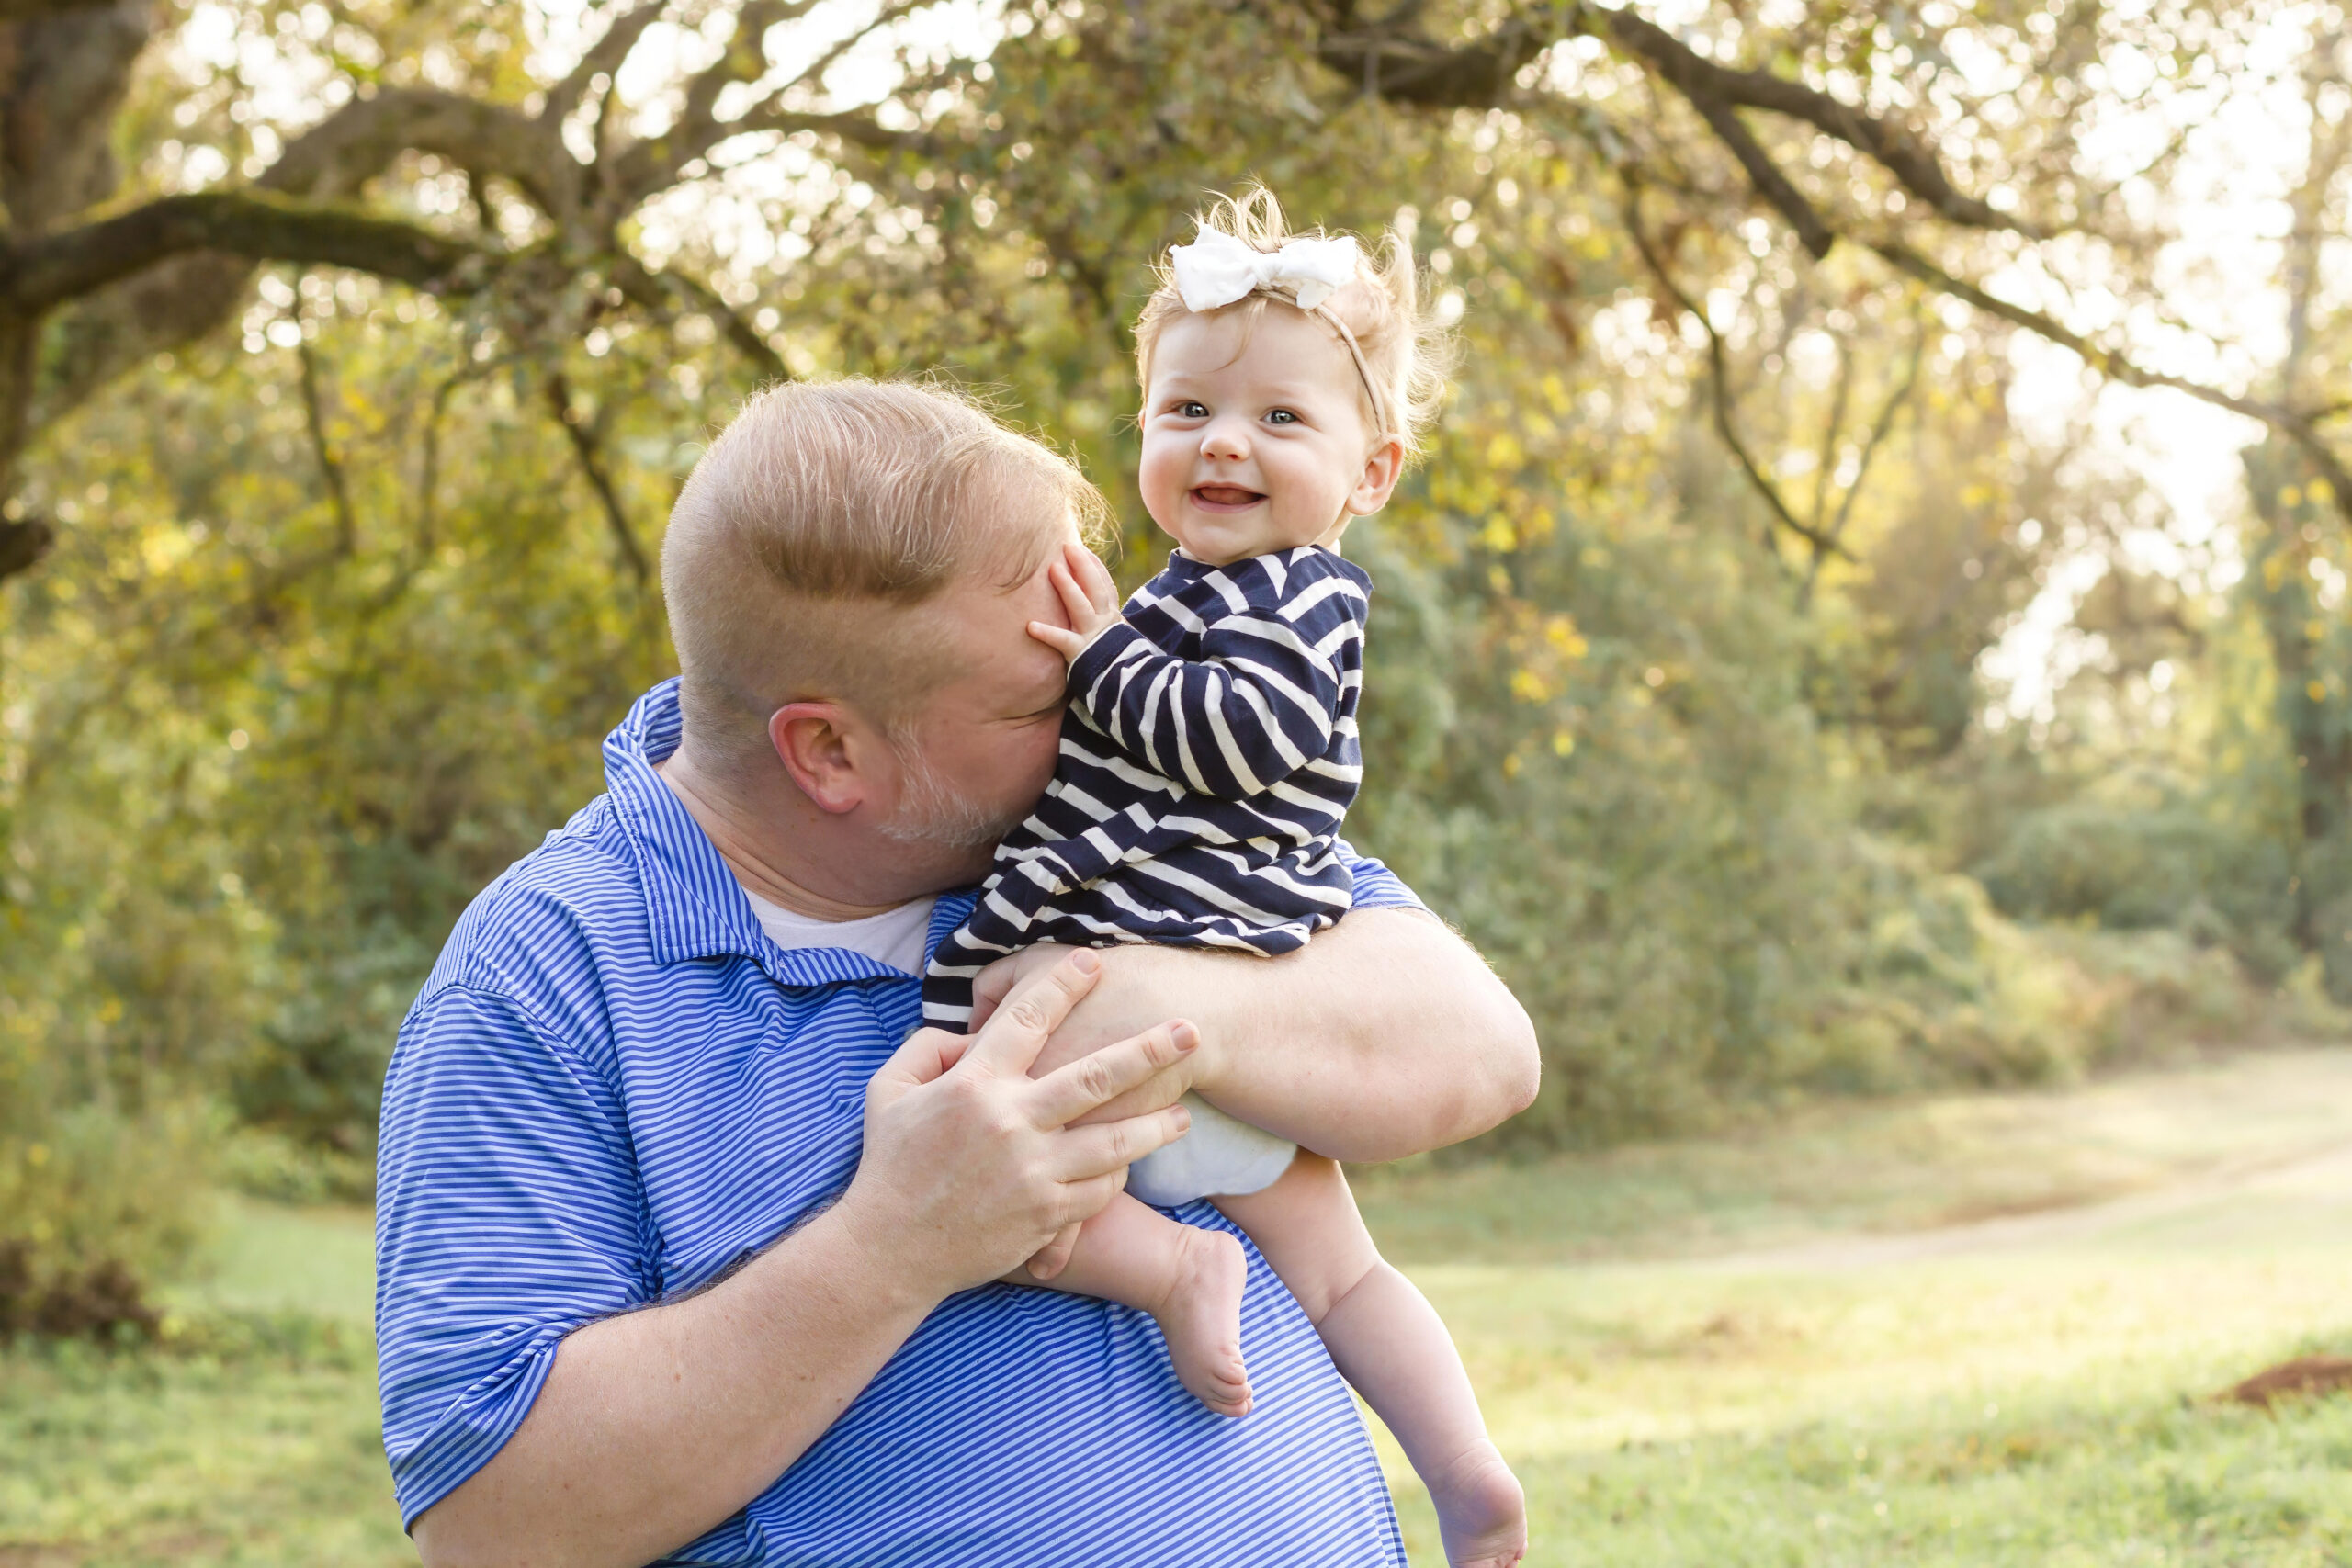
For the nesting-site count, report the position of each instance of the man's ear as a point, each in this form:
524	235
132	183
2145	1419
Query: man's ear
827	750
1382	469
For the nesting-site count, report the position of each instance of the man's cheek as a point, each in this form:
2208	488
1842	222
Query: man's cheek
1044	752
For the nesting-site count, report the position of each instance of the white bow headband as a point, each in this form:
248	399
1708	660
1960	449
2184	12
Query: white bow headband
1217	269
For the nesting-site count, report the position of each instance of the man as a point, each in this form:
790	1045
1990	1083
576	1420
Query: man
681	1251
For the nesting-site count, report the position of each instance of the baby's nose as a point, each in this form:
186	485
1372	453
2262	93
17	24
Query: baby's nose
1224	441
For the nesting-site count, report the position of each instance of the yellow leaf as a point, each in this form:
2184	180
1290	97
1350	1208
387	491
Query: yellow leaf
2316	690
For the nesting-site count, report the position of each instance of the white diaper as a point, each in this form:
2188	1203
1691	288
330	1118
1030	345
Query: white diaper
1216	1157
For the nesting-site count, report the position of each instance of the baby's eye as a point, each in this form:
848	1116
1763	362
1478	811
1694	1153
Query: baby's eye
1281	416
1192	411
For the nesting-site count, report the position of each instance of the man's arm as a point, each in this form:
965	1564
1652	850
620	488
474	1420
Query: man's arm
1386	1036
655	1425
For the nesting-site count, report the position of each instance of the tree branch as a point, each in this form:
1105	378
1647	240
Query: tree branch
2295	425
1880	427
667	288
604	57
859	130
592	466
330	469
336	157
1719	377
1895	147
1766	177
27	10
1393	61
55	269
22	544
654	163
1398	63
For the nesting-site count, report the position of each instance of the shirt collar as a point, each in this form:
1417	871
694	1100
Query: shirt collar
694	907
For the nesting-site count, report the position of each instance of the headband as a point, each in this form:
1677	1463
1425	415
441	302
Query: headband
1219	269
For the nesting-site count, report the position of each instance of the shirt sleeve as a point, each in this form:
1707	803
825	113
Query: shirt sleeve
1377	888
508	1213
1260	703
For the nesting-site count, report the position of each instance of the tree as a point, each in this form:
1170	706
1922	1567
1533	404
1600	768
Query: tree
1851	125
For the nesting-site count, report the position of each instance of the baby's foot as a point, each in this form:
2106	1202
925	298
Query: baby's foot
1481	1513
1201	1316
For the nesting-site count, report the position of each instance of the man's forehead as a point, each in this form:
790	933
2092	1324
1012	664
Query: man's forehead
986	619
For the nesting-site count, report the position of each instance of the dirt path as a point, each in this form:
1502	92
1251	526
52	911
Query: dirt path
2325	1170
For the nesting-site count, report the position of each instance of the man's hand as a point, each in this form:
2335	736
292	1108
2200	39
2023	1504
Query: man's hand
971	1165
654	1425
1089	598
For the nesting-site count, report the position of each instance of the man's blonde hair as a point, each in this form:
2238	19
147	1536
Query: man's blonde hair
1405	352
822	510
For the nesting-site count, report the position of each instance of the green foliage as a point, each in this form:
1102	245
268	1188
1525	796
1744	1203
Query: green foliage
343	604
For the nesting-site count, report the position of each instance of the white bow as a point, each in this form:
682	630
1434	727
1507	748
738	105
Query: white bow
1216	269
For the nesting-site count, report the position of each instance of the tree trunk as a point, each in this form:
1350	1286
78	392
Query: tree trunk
2314	708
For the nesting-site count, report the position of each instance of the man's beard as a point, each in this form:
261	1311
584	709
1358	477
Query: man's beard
931	812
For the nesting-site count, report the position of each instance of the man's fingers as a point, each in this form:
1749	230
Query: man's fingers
924	1055
1089	1198
1035	1009
1084	1152
1069	1092
1054	1256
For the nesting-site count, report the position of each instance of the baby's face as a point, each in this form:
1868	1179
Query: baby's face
1251	449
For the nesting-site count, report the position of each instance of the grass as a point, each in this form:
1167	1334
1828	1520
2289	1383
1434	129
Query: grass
253	1441
2027	1391
1737	1351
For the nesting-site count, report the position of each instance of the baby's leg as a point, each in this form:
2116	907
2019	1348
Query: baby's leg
1188	1280
1388	1342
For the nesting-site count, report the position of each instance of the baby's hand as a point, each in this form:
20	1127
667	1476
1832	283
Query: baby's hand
1089	598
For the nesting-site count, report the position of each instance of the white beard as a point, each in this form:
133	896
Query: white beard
931	812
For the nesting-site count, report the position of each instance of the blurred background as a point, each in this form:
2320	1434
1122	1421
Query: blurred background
1867	659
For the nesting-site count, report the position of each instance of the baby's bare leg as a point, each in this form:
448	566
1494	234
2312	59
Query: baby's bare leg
1188	1280
1388	1340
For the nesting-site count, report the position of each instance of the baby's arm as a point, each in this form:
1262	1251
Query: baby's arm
1389	1343
1259	704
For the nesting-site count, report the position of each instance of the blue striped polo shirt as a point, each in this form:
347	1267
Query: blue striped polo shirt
613	1087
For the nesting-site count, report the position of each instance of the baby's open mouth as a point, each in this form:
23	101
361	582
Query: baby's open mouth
1225	498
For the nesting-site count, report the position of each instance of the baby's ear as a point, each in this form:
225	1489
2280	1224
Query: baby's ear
1382	468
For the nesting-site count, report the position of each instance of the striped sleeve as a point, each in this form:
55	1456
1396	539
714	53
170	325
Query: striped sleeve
1376	886
1260	703
507	1216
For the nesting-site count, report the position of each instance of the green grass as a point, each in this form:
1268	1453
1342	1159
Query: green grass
254	1439
2035	1390
1735	1351
1832	1168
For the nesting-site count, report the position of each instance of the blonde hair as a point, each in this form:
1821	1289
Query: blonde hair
1405	352
820	511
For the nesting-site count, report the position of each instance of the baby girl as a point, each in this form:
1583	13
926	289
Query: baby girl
1207	762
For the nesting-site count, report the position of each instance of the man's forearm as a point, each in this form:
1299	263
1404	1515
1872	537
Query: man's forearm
654	1426
1385	1037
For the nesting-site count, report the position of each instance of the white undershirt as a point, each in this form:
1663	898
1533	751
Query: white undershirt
894	937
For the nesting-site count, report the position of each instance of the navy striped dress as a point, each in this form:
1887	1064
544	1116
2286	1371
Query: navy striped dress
614	1086
1207	759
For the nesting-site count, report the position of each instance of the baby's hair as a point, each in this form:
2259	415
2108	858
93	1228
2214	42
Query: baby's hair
1404	351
